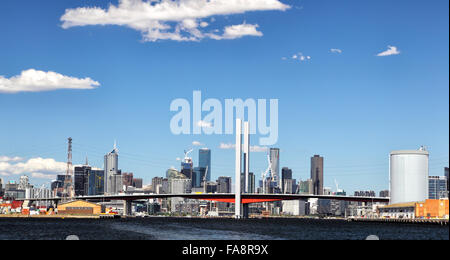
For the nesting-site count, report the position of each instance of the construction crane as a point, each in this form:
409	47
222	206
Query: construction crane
204	179
186	153
264	174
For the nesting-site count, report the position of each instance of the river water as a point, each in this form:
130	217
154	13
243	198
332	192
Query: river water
213	229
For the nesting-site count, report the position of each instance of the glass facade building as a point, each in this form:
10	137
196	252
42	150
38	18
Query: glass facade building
204	161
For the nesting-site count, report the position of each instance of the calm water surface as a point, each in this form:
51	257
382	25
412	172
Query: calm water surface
213	229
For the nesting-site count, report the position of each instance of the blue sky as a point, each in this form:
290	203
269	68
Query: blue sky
351	107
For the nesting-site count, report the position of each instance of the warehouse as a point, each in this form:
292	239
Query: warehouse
425	209
79	207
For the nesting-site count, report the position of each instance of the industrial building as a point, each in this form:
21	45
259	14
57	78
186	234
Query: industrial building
409	210
79	207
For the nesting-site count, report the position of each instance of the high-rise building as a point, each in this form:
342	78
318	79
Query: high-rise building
437	187
127	179
251	182
155	182
187	168
82	180
24	182
275	166
1	187
199	176
137	183
290	186
204	161
113	178
305	187
317	174
96	182
224	185
286	174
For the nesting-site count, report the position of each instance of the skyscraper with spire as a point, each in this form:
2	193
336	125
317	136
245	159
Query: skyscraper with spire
113	178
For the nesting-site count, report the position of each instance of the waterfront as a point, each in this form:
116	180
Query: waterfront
213	229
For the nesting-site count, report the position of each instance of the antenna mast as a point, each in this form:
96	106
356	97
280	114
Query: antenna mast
68	189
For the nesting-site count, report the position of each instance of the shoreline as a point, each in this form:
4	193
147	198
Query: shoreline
442	222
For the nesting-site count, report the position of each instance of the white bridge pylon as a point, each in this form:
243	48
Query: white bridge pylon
239	166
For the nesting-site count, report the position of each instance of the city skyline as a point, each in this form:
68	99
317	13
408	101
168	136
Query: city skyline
354	82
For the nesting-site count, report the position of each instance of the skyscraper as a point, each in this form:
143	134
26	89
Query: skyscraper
286	174
204	161
317	174
113	178
275	169
82	180
96	182
224	185
437	187
251	182
127	179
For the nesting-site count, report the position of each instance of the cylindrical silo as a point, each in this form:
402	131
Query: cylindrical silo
408	176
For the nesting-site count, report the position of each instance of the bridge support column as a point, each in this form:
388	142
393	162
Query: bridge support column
127	207
245	211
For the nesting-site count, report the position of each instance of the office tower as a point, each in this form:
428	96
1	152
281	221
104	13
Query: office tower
1	187
317	174
58	185
127	179
155	182
286	174
187	168
24	182
137	183
305	187
96	182
437	187
199	177
204	161
290	186
81	180
251	182
275	166
113	178
224	185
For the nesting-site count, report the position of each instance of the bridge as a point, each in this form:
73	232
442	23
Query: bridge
247	198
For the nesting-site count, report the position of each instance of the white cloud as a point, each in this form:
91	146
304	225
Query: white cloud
196	143
392	50
204	124
39	175
258	149
166	19
10	159
339	51
37	167
255	148
298	57
35	81
238	31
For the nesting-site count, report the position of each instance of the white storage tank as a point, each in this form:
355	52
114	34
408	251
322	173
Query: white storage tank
408	176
